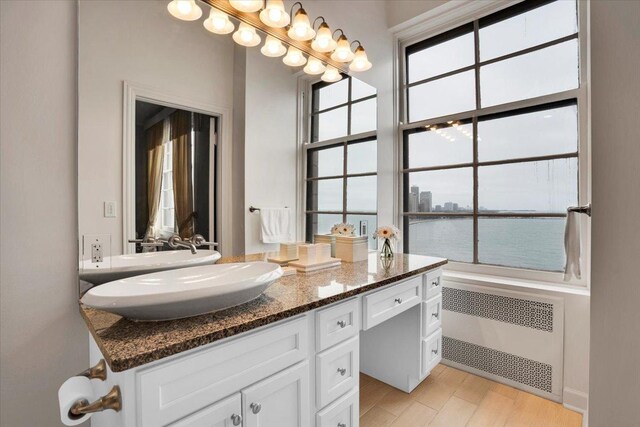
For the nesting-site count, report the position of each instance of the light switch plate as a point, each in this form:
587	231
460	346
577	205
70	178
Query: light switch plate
96	251
109	209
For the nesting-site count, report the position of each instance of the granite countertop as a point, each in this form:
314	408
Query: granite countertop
126	344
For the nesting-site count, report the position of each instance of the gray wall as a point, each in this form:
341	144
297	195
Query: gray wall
615	293
43	337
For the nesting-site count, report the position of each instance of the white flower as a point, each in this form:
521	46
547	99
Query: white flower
387	232
343	229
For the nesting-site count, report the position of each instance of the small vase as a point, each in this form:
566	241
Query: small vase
386	251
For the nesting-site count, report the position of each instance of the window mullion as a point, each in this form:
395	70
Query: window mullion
476	40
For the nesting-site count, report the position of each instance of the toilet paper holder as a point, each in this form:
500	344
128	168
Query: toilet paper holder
96	372
111	400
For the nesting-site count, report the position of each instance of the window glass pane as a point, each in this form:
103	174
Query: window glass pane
331	95
325	195
539	133
325	162
450	238
365	226
440	97
451	190
439	59
535	243
332	124
167	199
360	89
362	157
543	24
321	223
538	73
440	145
544	186
363	116
361	194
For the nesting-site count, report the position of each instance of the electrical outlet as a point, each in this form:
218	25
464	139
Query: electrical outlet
96	251
109	209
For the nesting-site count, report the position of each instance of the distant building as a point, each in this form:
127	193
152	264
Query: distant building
425	201
438	208
448	206
455	207
413	198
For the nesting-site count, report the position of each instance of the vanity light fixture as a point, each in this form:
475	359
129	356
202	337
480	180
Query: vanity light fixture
273	47
331	75
186	10
324	42
360	61
314	66
246	36
343	51
294	58
218	22
274	14
248	6
300	28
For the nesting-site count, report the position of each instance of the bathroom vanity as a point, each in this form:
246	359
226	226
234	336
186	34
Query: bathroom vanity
290	358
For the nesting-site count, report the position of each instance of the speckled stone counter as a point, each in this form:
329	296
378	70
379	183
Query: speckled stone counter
126	344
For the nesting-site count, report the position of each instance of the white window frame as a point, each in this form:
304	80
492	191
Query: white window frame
453	15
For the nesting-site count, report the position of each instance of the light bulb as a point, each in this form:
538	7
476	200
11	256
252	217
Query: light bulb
246	36
294	57
186	10
314	66
360	61
301	27
324	41
343	51
300	30
274	14
218	22
246	5
331	75
273	47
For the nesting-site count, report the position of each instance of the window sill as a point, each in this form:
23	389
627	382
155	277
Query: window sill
512	283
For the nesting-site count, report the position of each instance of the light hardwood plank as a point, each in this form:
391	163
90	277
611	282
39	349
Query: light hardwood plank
416	415
377	417
452	377
438	369
364	379
395	401
455	413
505	390
493	411
433	393
531	410
371	393
473	388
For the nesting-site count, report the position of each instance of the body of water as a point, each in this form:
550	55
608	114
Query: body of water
534	243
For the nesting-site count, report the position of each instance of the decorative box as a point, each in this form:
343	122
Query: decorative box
326	238
352	249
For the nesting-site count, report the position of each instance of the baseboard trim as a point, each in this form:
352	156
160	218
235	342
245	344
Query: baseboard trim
577	401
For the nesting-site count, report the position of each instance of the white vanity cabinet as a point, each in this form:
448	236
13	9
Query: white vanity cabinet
298	372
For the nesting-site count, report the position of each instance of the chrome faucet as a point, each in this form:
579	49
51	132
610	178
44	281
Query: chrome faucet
198	240
176	242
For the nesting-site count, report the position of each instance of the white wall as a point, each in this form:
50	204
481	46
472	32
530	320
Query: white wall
270	144
399	11
139	42
615	293
43	338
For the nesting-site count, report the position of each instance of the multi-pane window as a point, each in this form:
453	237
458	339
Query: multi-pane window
491	143
167	206
341	159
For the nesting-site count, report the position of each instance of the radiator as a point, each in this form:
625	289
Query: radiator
512	337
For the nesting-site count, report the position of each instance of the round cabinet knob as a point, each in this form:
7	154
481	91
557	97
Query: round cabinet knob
436	315
342	425
342	323
399	300
255	407
342	371
436	283
434	351
236	419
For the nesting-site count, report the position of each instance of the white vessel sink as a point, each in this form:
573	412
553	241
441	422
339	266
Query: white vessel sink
136	264
184	292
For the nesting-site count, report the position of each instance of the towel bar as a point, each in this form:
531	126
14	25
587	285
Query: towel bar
253	209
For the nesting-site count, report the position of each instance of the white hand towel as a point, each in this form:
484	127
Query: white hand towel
275	225
572	246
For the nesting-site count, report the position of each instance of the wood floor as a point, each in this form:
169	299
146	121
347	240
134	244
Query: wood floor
451	398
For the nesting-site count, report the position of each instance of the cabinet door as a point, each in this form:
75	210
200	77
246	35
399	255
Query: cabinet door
281	400
226	413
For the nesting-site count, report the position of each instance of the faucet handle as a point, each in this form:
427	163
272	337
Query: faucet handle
174	240
199	240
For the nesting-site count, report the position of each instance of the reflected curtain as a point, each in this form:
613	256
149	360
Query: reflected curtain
182	172
156	136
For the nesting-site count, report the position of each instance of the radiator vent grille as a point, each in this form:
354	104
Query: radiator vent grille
531	314
510	366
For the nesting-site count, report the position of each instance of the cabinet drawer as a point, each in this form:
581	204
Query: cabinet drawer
172	390
431	351
385	304
343	412
432	284
337	371
337	323
226	413
431	315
